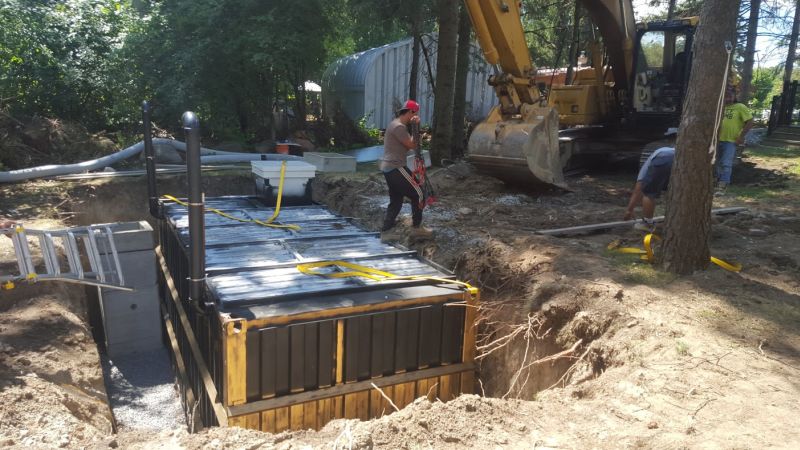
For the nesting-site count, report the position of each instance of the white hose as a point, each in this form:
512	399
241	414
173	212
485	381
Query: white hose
209	156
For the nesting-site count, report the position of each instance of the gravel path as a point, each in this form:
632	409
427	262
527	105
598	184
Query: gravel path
142	392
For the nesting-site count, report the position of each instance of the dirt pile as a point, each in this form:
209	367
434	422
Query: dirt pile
42	141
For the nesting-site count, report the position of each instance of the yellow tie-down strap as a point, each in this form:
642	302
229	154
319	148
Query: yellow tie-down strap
266	223
647	253
357	270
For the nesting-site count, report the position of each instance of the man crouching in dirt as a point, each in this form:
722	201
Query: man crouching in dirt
397	142
653	178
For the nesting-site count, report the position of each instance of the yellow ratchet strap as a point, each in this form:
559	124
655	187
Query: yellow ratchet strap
8	285
647	253
266	223
372	274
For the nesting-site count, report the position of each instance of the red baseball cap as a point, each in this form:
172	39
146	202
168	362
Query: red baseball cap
411	105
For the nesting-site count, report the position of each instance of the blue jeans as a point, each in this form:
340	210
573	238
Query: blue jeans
726	152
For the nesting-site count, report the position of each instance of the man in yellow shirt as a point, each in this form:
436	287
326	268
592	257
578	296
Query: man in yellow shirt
736	122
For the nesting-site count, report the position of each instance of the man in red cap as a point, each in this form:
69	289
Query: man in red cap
397	142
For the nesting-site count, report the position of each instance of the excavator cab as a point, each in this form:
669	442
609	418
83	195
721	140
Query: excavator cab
662	59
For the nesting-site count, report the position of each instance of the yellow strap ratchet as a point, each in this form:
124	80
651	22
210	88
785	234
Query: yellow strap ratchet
372	274
647	253
266	223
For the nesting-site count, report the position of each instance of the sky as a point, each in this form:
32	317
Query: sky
767	55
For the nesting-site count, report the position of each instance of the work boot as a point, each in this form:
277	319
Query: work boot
645	225
421	232
388	225
721	188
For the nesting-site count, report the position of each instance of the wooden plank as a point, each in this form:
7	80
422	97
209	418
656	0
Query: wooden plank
375	404
606	225
324	412
433	389
310	415
398	395
349	388
411	390
338	407
253	421
268	421
333	313
238	421
350	410
296	416
339	351
181	369
281	419
422	388
234	362
445	390
362	405
208	382
468	382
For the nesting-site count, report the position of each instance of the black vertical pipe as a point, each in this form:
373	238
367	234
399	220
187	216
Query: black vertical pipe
150	162
197	245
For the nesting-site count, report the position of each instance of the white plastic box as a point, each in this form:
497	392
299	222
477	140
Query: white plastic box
296	186
331	162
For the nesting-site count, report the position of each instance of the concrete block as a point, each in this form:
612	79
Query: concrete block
138	268
131	320
132	236
426	156
331	162
143	301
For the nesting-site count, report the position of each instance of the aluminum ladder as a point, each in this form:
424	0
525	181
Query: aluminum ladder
81	245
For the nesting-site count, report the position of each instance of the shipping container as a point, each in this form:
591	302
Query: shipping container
273	347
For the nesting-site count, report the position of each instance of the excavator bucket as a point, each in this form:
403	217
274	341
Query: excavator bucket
521	151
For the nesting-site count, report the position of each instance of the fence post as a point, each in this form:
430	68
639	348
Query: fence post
773	114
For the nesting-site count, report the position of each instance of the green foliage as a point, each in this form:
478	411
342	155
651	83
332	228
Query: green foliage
373	133
60	58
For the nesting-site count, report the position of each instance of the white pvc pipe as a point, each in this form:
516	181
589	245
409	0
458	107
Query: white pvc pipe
210	156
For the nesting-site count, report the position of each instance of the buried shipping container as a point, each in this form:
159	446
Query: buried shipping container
275	347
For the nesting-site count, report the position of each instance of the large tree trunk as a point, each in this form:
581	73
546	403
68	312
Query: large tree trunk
573	43
445	80
749	51
790	57
460	93
671	9
413	81
688	211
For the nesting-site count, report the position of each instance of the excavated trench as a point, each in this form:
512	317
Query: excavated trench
524	348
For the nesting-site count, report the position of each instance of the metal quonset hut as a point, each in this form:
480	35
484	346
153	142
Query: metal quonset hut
367	84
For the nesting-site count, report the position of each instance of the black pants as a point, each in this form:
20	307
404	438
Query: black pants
401	184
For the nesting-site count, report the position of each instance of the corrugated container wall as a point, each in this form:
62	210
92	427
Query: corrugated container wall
372	83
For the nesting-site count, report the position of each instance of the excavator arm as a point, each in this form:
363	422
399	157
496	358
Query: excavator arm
498	26
519	138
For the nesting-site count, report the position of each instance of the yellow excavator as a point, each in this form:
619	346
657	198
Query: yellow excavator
630	95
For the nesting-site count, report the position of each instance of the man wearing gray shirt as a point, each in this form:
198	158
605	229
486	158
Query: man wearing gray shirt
653	178
397	142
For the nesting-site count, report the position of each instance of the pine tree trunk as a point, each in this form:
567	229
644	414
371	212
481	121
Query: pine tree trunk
445	80
749	51
688	204
413	81
790	57
671	9
460	93
573	43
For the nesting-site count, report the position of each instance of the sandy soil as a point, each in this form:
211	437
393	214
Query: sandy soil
581	347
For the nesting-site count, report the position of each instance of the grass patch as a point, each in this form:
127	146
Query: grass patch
636	271
681	348
773	152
